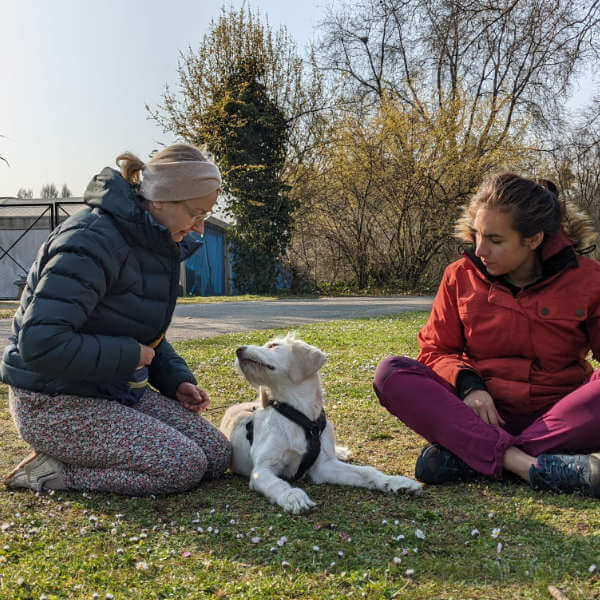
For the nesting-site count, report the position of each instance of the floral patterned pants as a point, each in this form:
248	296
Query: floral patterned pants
156	446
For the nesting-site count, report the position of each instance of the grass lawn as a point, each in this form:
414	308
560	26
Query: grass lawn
7	309
476	541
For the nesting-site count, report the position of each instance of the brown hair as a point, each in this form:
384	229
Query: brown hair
533	204
131	166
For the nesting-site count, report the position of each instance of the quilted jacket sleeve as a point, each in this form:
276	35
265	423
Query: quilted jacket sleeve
76	268
168	370
442	339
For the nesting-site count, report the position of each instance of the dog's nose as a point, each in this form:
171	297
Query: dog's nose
240	351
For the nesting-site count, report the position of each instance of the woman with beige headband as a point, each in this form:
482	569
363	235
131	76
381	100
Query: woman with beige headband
89	336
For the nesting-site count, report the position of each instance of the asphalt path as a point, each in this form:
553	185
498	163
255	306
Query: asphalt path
209	320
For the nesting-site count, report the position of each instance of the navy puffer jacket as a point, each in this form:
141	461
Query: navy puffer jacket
105	280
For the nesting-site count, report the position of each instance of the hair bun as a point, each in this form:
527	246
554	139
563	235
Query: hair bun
548	184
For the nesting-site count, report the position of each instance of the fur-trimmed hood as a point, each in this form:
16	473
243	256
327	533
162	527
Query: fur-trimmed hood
576	225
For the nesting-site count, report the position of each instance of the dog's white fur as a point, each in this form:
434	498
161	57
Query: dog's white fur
287	369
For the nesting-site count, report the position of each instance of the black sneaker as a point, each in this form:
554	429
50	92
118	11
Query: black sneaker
438	465
566	473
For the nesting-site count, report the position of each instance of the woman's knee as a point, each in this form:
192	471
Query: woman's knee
391	365
219	458
184	469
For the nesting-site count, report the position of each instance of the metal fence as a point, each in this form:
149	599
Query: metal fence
24	226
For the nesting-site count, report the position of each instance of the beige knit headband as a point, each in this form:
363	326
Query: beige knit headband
176	181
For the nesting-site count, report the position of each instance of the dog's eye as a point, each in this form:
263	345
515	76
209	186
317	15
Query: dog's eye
272	345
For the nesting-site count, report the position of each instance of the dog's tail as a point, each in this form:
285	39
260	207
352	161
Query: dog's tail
342	453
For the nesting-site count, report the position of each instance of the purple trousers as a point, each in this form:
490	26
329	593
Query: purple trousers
429	405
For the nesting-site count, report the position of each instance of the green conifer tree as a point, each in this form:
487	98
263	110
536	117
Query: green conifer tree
248	132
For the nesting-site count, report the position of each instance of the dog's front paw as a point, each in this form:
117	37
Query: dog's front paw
396	483
295	500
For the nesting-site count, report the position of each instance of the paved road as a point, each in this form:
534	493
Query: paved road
208	320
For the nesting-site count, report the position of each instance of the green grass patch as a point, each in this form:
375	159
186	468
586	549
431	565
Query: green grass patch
7	309
199	544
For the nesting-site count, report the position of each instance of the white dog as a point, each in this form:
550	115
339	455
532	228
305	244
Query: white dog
285	434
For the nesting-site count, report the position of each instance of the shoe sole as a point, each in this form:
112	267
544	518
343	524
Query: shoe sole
25	461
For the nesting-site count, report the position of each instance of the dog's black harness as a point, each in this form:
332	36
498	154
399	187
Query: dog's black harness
312	431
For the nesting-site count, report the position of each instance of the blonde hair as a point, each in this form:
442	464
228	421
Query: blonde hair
131	166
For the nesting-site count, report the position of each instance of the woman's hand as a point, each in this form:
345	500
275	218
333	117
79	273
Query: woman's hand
482	404
190	396
146	356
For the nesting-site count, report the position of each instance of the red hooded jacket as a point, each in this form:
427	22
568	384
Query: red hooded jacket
530	349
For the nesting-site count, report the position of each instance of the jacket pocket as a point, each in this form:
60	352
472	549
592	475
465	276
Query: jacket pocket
570	311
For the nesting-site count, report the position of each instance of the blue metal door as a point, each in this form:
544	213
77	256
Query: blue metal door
205	270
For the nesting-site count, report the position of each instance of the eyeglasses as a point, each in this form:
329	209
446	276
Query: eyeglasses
199	216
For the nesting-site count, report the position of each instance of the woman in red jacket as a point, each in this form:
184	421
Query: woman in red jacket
502	380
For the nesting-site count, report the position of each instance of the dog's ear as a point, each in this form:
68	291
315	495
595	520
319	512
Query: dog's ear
305	360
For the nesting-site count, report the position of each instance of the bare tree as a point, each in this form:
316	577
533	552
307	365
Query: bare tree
575	161
513	59
25	193
239	37
448	90
65	192
49	191
379	206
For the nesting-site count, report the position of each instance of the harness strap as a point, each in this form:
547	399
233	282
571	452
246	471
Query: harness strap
157	341
250	431
312	431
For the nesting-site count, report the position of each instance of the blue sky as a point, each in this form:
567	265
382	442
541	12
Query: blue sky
76	75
